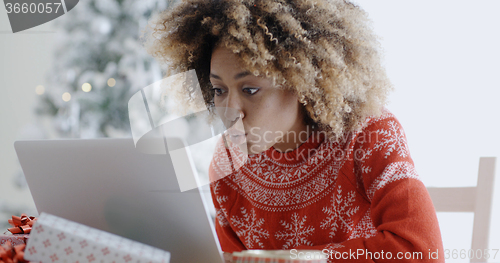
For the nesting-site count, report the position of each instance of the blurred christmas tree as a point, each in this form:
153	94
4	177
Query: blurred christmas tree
99	64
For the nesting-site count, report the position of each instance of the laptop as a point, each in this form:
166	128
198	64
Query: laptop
109	185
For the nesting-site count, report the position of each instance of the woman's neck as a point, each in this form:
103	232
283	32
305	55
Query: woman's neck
294	138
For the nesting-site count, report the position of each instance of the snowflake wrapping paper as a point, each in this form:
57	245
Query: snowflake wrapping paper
54	239
17	239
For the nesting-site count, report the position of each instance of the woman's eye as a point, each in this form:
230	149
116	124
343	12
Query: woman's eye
218	91
250	91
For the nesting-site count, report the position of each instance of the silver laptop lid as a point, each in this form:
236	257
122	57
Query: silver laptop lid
109	185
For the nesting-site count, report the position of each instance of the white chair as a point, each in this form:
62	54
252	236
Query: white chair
476	199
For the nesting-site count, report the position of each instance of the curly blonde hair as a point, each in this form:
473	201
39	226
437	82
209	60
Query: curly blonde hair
323	50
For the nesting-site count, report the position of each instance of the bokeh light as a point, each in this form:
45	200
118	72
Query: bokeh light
111	82
66	96
86	87
40	89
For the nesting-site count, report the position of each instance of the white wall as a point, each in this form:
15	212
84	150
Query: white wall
441	56
24	60
443	59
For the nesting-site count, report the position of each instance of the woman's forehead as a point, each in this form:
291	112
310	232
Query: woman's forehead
224	59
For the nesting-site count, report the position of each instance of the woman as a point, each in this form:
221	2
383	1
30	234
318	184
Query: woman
301	85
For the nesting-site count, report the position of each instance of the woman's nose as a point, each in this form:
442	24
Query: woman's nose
233	112
233	108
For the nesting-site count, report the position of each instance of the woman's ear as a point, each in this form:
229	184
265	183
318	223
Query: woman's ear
307	111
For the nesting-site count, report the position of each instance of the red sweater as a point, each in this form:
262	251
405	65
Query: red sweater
358	199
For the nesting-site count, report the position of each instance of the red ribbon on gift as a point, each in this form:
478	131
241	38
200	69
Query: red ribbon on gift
21	224
12	254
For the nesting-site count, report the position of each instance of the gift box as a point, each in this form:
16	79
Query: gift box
21	224
54	239
12	254
17	239
19	232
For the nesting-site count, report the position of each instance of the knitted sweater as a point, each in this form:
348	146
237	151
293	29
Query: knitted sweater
358	199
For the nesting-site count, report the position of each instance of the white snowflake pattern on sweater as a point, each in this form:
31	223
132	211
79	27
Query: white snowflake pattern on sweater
296	232
341	211
249	228
221	212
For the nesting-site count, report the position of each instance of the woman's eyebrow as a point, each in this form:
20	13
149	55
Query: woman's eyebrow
241	75
237	76
214	76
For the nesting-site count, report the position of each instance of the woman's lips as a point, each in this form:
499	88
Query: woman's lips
236	136
237	139
235	132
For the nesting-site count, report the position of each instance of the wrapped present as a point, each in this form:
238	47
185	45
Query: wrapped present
19	232
17	239
12	254
54	239
279	256
21	224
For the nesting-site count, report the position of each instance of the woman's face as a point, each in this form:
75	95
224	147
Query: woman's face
270	116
